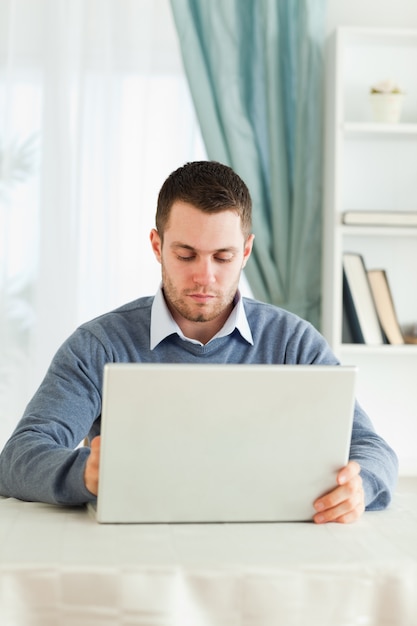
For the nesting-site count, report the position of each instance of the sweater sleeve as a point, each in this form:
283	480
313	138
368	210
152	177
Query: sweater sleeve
41	460
378	461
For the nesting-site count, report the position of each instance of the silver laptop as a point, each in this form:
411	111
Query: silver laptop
221	443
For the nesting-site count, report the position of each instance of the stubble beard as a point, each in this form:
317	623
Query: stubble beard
178	301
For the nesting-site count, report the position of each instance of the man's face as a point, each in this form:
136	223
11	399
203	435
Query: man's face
202	256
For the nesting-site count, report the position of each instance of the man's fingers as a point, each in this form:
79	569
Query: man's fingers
347	473
345	503
92	466
95	446
344	506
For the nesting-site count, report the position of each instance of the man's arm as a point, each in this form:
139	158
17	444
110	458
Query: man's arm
41	461
377	460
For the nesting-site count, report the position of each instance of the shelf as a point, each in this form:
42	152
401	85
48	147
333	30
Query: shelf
370	36
353	129
361	130
407	349
378	231
369	167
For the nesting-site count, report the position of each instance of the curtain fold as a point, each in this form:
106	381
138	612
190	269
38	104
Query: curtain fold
255	70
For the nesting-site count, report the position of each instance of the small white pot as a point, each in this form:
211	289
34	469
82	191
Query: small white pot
386	107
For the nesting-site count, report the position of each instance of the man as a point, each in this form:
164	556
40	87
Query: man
202	241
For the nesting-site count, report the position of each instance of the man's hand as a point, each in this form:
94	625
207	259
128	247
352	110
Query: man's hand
91	467
346	502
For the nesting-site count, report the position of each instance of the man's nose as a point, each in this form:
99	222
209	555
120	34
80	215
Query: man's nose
204	273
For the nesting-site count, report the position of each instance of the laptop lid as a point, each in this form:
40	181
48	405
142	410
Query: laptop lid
221	443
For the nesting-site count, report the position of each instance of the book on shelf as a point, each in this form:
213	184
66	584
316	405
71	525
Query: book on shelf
380	218
358	303
385	306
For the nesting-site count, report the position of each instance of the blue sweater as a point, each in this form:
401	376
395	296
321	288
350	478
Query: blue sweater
40	462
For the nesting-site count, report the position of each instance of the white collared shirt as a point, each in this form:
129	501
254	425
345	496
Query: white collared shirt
163	324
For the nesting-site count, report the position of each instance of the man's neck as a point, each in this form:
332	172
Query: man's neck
201	331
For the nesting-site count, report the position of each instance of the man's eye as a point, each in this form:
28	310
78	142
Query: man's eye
185	258
224	260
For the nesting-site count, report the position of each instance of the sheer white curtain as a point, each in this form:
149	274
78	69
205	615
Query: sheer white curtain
94	114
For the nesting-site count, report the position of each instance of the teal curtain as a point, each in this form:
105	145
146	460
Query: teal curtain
255	70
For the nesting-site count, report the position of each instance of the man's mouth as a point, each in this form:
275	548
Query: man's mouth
201	297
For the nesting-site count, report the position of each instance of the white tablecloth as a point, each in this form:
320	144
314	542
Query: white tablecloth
58	567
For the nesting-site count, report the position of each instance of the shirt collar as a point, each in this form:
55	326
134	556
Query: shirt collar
163	324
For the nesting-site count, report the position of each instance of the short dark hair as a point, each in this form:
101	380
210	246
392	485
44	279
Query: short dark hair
209	186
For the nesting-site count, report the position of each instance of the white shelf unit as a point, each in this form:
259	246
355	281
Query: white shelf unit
373	166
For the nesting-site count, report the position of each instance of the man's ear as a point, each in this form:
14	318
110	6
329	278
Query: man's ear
156	244
247	249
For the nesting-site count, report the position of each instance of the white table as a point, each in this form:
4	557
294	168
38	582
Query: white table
58	567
